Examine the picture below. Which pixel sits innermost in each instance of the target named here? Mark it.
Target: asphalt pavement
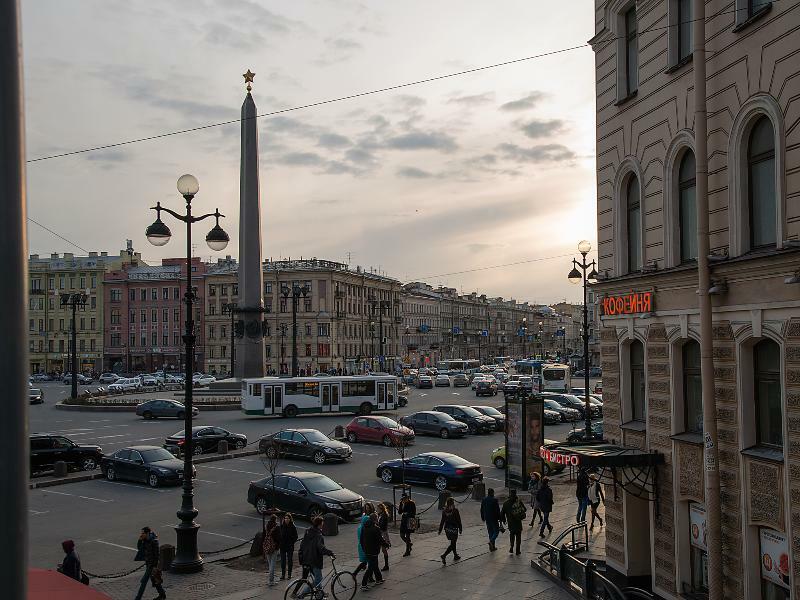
(104, 518)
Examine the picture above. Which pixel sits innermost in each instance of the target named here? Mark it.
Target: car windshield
(387, 422)
(552, 405)
(321, 484)
(457, 461)
(493, 412)
(314, 436)
(177, 434)
(470, 412)
(155, 455)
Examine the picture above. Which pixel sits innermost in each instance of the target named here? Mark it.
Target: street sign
(485, 333)
(456, 330)
(561, 333)
(424, 328)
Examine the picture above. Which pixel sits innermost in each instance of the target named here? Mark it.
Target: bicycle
(343, 586)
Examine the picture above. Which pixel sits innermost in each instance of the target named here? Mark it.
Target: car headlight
(328, 450)
(334, 505)
(163, 471)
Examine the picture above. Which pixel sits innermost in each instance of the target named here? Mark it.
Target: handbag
(156, 577)
(387, 543)
(84, 578)
(451, 530)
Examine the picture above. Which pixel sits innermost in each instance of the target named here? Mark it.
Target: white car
(130, 384)
(150, 382)
(203, 380)
(108, 378)
(442, 381)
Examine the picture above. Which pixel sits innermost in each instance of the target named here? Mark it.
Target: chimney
(54, 255)
(69, 255)
(92, 253)
(34, 256)
(104, 254)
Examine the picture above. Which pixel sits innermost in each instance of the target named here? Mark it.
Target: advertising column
(524, 438)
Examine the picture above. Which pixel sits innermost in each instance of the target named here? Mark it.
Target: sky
(423, 183)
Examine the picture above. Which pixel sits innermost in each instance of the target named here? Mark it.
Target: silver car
(152, 409)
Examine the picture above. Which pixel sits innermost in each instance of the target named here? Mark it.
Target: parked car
(484, 387)
(47, 449)
(203, 380)
(152, 409)
(442, 381)
(595, 399)
(378, 429)
(476, 378)
(108, 378)
(460, 380)
(39, 377)
(434, 423)
(598, 388)
(526, 382)
(35, 395)
(571, 401)
(565, 414)
(82, 379)
(304, 493)
(127, 384)
(498, 458)
(147, 464)
(579, 373)
(205, 438)
(150, 383)
(511, 388)
(492, 412)
(475, 420)
(309, 444)
(440, 469)
(424, 381)
(579, 434)
(551, 417)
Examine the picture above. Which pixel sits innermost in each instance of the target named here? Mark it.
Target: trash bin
(338, 432)
(222, 447)
(60, 469)
(478, 491)
(166, 554)
(256, 546)
(443, 496)
(330, 524)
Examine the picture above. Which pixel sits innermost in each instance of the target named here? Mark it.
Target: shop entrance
(637, 533)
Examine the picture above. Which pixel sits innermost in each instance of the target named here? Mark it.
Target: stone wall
(792, 388)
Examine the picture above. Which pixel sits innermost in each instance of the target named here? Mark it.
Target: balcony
(338, 294)
(339, 314)
(398, 320)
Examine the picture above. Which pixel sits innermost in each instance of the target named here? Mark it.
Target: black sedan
(205, 439)
(475, 420)
(48, 449)
(432, 422)
(579, 434)
(439, 469)
(303, 493)
(310, 444)
(152, 409)
(491, 411)
(148, 464)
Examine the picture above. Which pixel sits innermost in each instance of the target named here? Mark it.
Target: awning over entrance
(50, 585)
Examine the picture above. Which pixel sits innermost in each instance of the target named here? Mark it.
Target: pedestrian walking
(490, 514)
(596, 496)
(371, 542)
(369, 509)
(582, 494)
(288, 537)
(71, 565)
(545, 499)
(513, 514)
(312, 551)
(271, 546)
(383, 525)
(408, 521)
(451, 524)
(533, 487)
(147, 550)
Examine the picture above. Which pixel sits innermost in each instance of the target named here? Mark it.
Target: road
(104, 517)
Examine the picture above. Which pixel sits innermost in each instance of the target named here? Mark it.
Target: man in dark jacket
(490, 514)
(312, 550)
(582, 494)
(71, 565)
(544, 497)
(148, 552)
(513, 513)
(371, 542)
(408, 511)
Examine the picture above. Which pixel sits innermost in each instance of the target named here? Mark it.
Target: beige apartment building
(647, 292)
(421, 329)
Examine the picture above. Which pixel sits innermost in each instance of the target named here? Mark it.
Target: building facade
(422, 324)
(50, 324)
(145, 313)
(649, 333)
(465, 324)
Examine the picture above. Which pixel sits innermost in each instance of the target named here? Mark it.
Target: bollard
(60, 469)
(330, 524)
(478, 491)
(443, 496)
(166, 554)
(256, 548)
(338, 432)
(222, 447)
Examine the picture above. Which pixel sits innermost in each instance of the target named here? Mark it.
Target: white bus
(458, 365)
(292, 396)
(553, 377)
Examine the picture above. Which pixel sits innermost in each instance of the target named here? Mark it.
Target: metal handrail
(568, 531)
(634, 593)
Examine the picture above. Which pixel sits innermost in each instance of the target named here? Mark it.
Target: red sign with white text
(628, 304)
(559, 458)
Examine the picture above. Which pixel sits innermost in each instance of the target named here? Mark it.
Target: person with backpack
(288, 536)
(451, 523)
(545, 499)
(595, 498)
(271, 545)
(490, 514)
(408, 521)
(312, 552)
(383, 525)
(513, 514)
(533, 487)
(371, 542)
(369, 509)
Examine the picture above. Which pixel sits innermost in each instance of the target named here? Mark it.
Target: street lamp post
(577, 275)
(372, 348)
(187, 558)
(524, 331)
(283, 345)
(295, 293)
(230, 308)
(74, 301)
(480, 333)
(541, 339)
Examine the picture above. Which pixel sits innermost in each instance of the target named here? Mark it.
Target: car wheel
(387, 441)
(272, 452)
(314, 512)
(88, 464)
(262, 506)
(365, 408)
(473, 429)
(197, 449)
(352, 437)
(290, 411)
(111, 475)
(563, 418)
(440, 483)
(500, 462)
(152, 480)
(319, 457)
(181, 415)
(147, 414)
(444, 433)
(386, 476)
(239, 444)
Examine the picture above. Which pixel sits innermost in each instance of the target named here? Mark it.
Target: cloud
(107, 159)
(409, 102)
(420, 140)
(478, 247)
(343, 44)
(334, 140)
(536, 154)
(222, 34)
(538, 128)
(260, 18)
(526, 103)
(473, 100)
(337, 50)
(414, 173)
(301, 159)
(360, 156)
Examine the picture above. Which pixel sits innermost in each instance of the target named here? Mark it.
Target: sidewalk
(478, 574)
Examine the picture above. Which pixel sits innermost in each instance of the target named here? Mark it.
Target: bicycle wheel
(343, 586)
(299, 588)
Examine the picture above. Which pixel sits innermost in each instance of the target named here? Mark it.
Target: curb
(32, 485)
(132, 408)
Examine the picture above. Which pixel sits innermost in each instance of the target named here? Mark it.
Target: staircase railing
(574, 545)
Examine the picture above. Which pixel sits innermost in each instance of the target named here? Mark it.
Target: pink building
(145, 315)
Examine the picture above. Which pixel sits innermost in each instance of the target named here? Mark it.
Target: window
(212, 308)
(692, 388)
(165, 293)
(775, 570)
(631, 52)
(283, 305)
(308, 328)
(176, 315)
(142, 294)
(211, 332)
(767, 393)
(93, 302)
(687, 212)
(223, 332)
(144, 340)
(761, 184)
(634, 225)
(307, 305)
(116, 295)
(154, 316)
(165, 340)
(132, 340)
(268, 305)
(223, 290)
(93, 282)
(698, 551)
(176, 293)
(324, 329)
(115, 317)
(176, 339)
(308, 349)
(133, 316)
(638, 406)
(684, 30)
(50, 344)
(132, 295)
(93, 323)
(267, 288)
(755, 6)
(223, 351)
(61, 345)
(81, 324)
(82, 345)
(31, 325)
(269, 351)
(165, 315)
(154, 294)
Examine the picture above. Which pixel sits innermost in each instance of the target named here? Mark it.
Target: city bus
(503, 361)
(459, 365)
(292, 396)
(552, 377)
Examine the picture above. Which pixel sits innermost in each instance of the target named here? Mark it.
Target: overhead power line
(511, 264)
(58, 235)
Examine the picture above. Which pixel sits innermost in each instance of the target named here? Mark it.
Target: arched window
(634, 225)
(638, 404)
(692, 388)
(762, 202)
(767, 393)
(687, 208)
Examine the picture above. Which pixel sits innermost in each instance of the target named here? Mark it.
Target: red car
(378, 429)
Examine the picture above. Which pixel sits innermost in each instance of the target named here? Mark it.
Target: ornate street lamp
(187, 558)
(295, 293)
(74, 301)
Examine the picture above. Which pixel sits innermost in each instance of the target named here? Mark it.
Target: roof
(45, 584)
(140, 448)
(441, 454)
(301, 474)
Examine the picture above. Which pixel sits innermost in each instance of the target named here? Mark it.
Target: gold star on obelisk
(248, 79)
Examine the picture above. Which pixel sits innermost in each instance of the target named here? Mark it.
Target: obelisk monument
(249, 361)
